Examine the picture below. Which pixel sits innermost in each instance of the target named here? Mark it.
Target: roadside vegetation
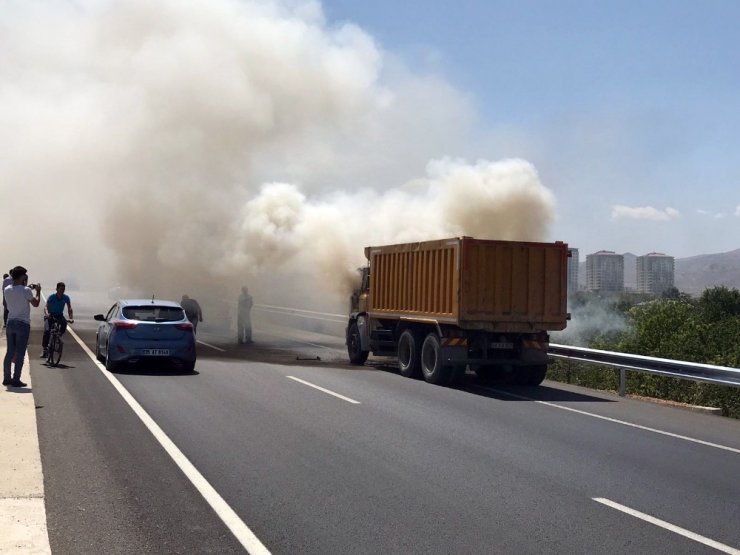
(676, 326)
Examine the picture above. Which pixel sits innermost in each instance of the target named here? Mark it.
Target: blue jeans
(16, 334)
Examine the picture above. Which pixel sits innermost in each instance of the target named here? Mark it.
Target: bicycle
(56, 343)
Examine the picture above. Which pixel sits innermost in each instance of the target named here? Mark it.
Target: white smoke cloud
(175, 145)
(621, 212)
(503, 200)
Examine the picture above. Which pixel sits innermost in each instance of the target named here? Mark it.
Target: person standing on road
(192, 311)
(7, 280)
(243, 317)
(54, 312)
(19, 299)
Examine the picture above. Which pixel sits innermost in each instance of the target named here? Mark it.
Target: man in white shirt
(19, 300)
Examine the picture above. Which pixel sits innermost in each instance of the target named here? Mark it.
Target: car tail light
(123, 325)
(185, 326)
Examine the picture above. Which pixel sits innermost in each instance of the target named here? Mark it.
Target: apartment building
(655, 273)
(605, 272)
(573, 262)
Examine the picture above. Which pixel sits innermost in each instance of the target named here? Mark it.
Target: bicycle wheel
(56, 354)
(51, 347)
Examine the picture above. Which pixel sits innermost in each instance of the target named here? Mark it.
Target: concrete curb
(22, 511)
(716, 411)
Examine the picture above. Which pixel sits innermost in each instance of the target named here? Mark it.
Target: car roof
(144, 302)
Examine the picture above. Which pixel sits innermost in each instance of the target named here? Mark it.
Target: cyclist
(54, 311)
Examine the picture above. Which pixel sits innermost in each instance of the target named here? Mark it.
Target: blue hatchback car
(145, 329)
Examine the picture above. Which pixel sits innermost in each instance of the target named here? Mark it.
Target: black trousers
(47, 328)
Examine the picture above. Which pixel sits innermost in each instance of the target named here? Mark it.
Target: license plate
(156, 352)
(501, 345)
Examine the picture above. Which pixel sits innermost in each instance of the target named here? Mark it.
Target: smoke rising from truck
(197, 146)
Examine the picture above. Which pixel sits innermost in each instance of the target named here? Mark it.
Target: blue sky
(629, 110)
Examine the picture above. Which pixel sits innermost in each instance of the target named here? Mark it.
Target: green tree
(719, 303)
(706, 330)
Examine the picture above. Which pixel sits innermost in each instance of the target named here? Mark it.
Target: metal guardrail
(707, 373)
(301, 313)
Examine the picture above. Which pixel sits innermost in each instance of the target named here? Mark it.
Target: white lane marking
(211, 346)
(668, 526)
(309, 384)
(616, 421)
(228, 516)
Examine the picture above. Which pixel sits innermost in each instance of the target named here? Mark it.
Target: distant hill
(696, 273)
(693, 274)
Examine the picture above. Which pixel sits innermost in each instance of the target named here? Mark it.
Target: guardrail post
(622, 382)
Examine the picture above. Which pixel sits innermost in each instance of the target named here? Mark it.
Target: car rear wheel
(98, 354)
(110, 365)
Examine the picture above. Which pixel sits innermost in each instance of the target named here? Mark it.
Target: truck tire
(409, 354)
(354, 346)
(432, 367)
(533, 375)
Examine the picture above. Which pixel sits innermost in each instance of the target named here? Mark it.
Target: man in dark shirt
(192, 311)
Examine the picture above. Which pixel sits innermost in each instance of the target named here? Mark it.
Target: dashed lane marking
(211, 346)
(309, 384)
(616, 421)
(668, 526)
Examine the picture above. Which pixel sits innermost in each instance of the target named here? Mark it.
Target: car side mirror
(99, 317)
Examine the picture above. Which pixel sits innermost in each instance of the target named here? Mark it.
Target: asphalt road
(390, 465)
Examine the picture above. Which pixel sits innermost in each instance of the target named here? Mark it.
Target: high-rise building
(655, 273)
(605, 271)
(573, 270)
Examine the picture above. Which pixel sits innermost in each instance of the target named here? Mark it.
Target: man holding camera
(19, 299)
(54, 311)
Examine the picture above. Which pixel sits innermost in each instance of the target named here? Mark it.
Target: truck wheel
(432, 367)
(354, 346)
(533, 375)
(408, 354)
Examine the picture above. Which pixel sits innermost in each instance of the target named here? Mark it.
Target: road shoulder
(22, 511)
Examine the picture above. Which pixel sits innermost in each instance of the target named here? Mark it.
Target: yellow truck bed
(471, 283)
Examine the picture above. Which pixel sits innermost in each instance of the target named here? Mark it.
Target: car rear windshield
(153, 313)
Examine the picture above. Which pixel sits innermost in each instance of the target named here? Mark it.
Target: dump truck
(444, 306)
